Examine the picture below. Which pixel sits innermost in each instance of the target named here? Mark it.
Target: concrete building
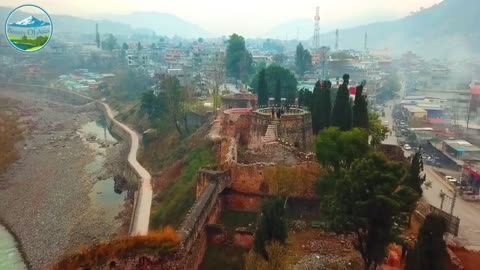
(461, 149)
(415, 113)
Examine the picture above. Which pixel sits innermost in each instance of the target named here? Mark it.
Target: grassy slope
(176, 200)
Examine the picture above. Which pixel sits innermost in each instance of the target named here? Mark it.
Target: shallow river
(10, 257)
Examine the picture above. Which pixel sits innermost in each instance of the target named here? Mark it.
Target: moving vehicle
(451, 179)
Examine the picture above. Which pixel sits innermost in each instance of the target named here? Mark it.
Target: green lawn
(176, 200)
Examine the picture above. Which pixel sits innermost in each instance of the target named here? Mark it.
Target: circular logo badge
(28, 28)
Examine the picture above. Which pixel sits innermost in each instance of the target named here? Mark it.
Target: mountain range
(447, 30)
(30, 21)
(162, 24)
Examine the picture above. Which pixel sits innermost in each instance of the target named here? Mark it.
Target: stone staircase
(271, 134)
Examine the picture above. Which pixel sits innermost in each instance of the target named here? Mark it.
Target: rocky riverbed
(46, 195)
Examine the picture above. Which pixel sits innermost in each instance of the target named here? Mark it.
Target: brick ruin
(243, 178)
(245, 173)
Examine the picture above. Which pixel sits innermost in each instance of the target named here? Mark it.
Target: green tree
(109, 43)
(303, 60)
(278, 92)
(301, 97)
(360, 110)
(342, 112)
(279, 59)
(376, 129)
(325, 106)
(273, 74)
(272, 226)
(139, 46)
(389, 89)
(337, 149)
(414, 178)
(124, 46)
(364, 203)
(176, 97)
(316, 107)
(238, 59)
(430, 250)
(262, 90)
(152, 105)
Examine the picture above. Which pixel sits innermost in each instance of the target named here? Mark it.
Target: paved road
(468, 212)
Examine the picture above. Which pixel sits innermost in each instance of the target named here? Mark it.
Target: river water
(10, 257)
(103, 195)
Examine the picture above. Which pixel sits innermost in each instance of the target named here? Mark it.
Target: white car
(407, 147)
(451, 179)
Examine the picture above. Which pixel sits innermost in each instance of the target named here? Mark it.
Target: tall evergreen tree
(325, 105)
(414, 180)
(360, 110)
(430, 251)
(262, 88)
(278, 92)
(342, 111)
(308, 99)
(272, 226)
(301, 97)
(315, 110)
(303, 59)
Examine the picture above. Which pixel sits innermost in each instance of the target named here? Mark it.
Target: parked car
(407, 147)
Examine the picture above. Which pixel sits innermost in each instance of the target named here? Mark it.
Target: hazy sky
(247, 17)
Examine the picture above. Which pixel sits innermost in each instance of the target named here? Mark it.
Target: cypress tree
(342, 111)
(272, 226)
(315, 107)
(430, 251)
(278, 92)
(301, 97)
(262, 88)
(325, 106)
(413, 179)
(308, 99)
(360, 110)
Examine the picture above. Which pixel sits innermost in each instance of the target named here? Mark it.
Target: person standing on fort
(273, 113)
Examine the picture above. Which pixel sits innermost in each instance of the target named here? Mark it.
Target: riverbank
(47, 192)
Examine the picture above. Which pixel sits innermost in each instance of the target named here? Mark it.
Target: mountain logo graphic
(28, 28)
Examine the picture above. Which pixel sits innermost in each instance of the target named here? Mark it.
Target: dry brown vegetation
(165, 240)
(10, 133)
(279, 179)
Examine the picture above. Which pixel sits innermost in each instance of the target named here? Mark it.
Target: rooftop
(414, 109)
(461, 145)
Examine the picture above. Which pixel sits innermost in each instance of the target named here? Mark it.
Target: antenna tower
(365, 42)
(316, 30)
(336, 40)
(97, 36)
